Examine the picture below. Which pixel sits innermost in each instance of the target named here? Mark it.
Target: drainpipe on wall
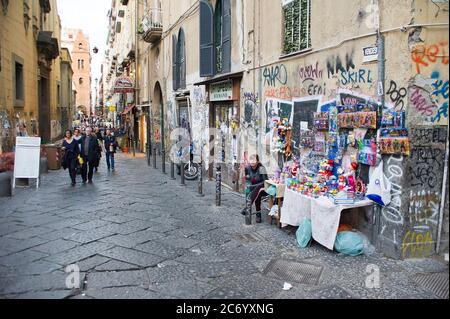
(444, 189)
(381, 97)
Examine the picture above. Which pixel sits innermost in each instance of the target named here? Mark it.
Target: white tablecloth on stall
(296, 207)
(325, 215)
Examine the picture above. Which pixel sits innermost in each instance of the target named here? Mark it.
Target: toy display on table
(281, 175)
(341, 186)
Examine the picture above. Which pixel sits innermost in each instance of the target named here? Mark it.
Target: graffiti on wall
(421, 103)
(310, 72)
(360, 76)
(427, 158)
(397, 94)
(347, 71)
(5, 132)
(311, 77)
(200, 122)
(251, 107)
(424, 176)
(425, 55)
(171, 116)
(285, 92)
(275, 75)
(440, 95)
(336, 65)
(429, 99)
(392, 218)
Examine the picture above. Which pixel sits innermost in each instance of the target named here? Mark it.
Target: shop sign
(123, 85)
(222, 91)
(370, 54)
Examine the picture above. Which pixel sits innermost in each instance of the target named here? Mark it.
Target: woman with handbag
(71, 152)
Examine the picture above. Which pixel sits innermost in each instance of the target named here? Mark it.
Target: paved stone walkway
(135, 233)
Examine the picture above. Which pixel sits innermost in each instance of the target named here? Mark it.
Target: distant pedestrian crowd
(83, 149)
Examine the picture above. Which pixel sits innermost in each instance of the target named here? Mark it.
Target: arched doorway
(158, 122)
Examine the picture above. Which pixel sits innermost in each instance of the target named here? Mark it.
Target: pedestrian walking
(71, 153)
(256, 175)
(99, 136)
(90, 149)
(110, 149)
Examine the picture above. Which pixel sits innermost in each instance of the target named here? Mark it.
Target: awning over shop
(221, 77)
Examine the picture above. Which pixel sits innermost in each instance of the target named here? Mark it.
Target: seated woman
(256, 175)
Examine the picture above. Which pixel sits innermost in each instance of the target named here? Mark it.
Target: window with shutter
(226, 36)
(174, 63)
(297, 26)
(206, 39)
(181, 60)
(218, 16)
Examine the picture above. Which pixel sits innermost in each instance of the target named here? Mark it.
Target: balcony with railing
(151, 27)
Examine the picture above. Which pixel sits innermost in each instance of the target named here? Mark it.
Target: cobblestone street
(135, 233)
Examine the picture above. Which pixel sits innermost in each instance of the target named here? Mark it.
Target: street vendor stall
(339, 168)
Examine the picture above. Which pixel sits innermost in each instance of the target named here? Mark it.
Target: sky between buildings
(91, 17)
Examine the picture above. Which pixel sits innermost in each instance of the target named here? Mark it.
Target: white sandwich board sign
(27, 158)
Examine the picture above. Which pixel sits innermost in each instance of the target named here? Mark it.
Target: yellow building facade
(30, 76)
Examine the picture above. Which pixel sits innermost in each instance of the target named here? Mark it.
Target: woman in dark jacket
(256, 175)
(71, 152)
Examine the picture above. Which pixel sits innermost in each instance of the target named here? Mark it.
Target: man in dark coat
(99, 136)
(90, 150)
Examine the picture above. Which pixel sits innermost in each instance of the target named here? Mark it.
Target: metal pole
(444, 190)
(163, 161)
(218, 185)
(148, 146)
(183, 183)
(248, 205)
(154, 156)
(200, 178)
(172, 170)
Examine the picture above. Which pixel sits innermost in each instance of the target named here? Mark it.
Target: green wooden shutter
(226, 36)
(206, 39)
(174, 63)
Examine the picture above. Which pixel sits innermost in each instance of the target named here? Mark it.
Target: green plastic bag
(304, 233)
(349, 243)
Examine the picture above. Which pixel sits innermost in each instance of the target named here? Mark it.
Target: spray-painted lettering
(354, 77)
(336, 66)
(424, 55)
(421, 102)
(275, 75)
(397, 94)
(310, 72)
